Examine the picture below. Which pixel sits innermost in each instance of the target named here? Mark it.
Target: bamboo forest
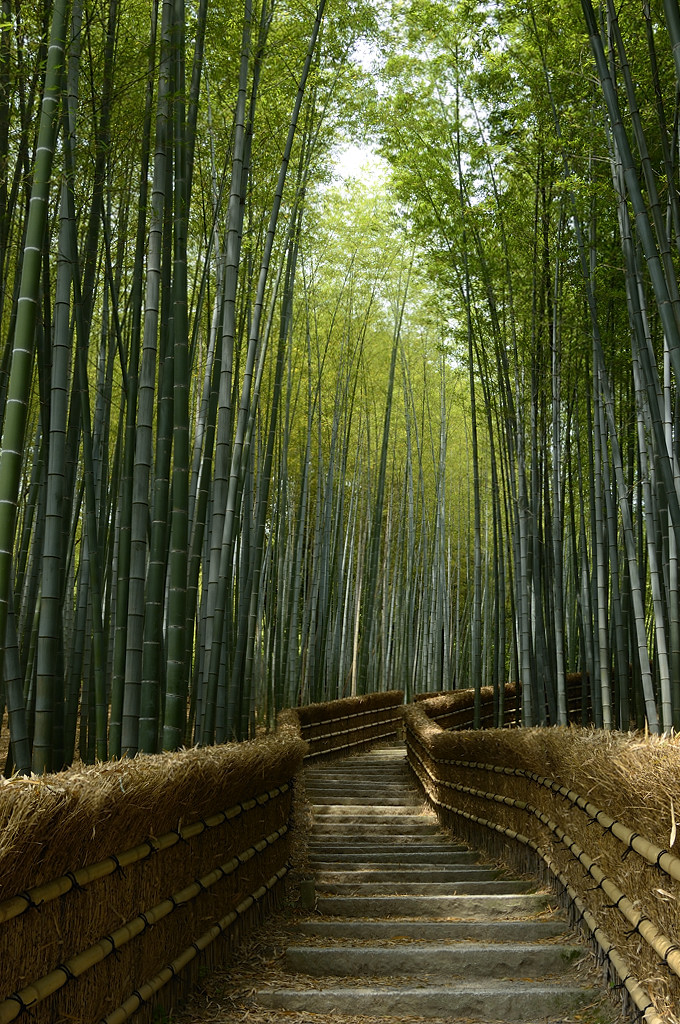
(340, 353)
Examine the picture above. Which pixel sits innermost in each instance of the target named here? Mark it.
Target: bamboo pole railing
(116, 959)
(365, 720)
(27, 998)
(151, 987)
(39, 895)
(94, 939)
(459, 805)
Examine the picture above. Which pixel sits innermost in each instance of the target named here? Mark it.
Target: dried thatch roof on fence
(635, 777)
(57, 823)
(333, 709)
(625, 871)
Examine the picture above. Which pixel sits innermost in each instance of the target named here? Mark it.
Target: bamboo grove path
(405, 925)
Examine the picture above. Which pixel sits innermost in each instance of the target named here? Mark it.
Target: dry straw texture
(453, 709)
(343, 726)
(61, 823)
(634, 779)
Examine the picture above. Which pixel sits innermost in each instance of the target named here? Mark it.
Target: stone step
(343, 812)
(378, 777)
(497, 931)
(420, 853)
(434, 847)
(388, 773)
(426, 873)
(374, 792)
(333, 770)
(506, 1000)
(373, 829)
(347, 821)
(364, 861)
(398, 797)
(372, 788)
(398, 776)
(471, 959)
(491, 907)
(501, 886)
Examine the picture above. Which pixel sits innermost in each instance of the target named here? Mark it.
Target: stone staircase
(409, 925)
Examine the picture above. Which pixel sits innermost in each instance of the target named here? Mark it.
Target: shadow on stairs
(404, 925)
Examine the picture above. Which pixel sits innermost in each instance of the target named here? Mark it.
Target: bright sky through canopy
(352, 161)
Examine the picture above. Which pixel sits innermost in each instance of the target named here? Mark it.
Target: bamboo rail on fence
(459, 805)
(454, 709)
(27, 998)
(76, 880)
(102, 938)
(367, 719)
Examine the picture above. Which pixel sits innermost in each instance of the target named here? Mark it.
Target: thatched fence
(591, 812)
(340, 727)
(454, 709)
(119, 880)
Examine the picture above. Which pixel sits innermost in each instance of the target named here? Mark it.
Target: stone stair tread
(508, 1000)
(418, 845)
(497, 905)
(389, 930)
(377, 818)
(468, 959)
(359, 800)
(354, 874)
(383, 851)
(375, 825)
(460, 888)
(377, 859)
(329, 810)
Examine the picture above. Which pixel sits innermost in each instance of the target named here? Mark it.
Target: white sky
(352, 161)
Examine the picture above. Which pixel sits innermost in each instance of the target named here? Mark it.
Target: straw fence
(119, 881)
(340, 727)
(455, 709)
(115, 877)
(593, 813)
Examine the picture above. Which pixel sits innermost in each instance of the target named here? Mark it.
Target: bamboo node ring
(659, 855)
(118, 867)
(65, 969)
(136, 994)
(30, 902)
(16, 998)
(75, 884)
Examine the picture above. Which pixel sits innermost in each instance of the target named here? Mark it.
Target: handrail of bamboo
(653, 854)
(382, 700)
(146, 991)
(369, 717)
(74, 880)
(348, 732)
(348, 746)
(662, 945)
(636, 990)
(26, 998)
(344, 718)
